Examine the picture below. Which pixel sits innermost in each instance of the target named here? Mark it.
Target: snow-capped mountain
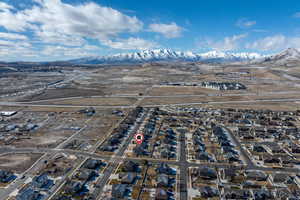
(289, 55)
(158, 55)
(229, 57)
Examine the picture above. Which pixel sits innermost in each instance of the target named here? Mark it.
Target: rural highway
(166, 96)
(16, 104)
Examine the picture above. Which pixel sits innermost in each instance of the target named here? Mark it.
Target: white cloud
(268, 43)
(171, 30)
(69, 52)
(130, 43)
(12, 21)
(14, 53)
(245, 23)
(11, 51)
(14, 43)
(227, 44)
(85, 20)
(274, 43)
(6, 43)
(4, 6)
(61, 30)
(15, 50)
(59, 38)
(53, 21)
(12, 36)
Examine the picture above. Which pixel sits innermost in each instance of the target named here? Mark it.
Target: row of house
(144, 149)
(18, 128)
(210, 84)
(127, 178)
(167, 146)
(34, 190)
(200, 147)
(223, 85)
(81, 183)
(119, 134)
(163, 175)
(234, 183)
(227, 146)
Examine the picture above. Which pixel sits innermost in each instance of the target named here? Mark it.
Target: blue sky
(38, 30)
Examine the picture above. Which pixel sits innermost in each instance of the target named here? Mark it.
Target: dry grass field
(18, 162)
(94, 101)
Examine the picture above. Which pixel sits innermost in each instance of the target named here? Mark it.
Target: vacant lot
(18, 162)
(215, 99)
(186, 100)
(94, 101)
(276, 106)
(62, 93)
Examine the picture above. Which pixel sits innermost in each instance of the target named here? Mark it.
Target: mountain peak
(290, 54)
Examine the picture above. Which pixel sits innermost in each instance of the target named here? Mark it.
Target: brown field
(18, 162)
(62, 93)
(94, 101)
(99, 126)
(183, 100)
(276, 106)
(180, 90)
(271, 87)
(134, 89)
(186, 100)
(264, 74)
(58, 127)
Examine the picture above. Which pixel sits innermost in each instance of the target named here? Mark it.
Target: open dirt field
(18, 162)
(95, 101)
(276, 106)
(186, 100)
(62, 93)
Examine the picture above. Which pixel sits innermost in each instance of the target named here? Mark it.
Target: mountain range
(167, 55)
(286, 57)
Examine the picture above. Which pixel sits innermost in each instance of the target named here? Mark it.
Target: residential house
(130, 166)
(207, 173)
(263, 194)
(6, 176)
(29, 194)
(119, 191)
(238, 194)
(209, 192)
(42, 182)
(161, 194)
(256, 175)
(166, 169)
(128, 177)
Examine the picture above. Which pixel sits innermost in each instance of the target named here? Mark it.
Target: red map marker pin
(139, 138)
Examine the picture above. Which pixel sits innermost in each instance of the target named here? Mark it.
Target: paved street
(274, 99)
(117, 158)
(183, 166)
